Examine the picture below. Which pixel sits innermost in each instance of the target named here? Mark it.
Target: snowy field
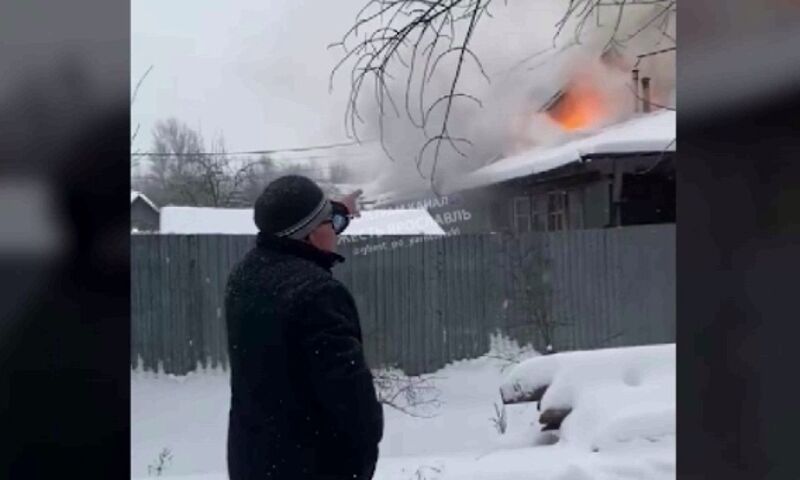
(622, 424)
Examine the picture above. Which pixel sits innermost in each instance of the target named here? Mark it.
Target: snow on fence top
(654, 132)
(201, 220)
(613, 396)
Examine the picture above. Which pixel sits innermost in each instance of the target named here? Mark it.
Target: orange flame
(580, 106)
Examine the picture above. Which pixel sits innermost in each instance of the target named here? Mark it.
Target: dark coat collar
(300, 249)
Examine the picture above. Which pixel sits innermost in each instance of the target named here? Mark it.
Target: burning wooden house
(613, 163)
(620, 175)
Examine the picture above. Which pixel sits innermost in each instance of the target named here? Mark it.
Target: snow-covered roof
(653, 132)
(135, 194)
(206, 220)
(408, 197)
(202, 220)
(415, 221)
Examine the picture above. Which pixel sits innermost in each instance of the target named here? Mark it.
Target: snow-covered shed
(144, 213)
(201, 220)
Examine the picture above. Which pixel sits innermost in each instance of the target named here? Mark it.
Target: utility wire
(639, 58)
(251, 152)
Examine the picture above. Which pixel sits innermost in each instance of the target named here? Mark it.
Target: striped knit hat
(291, 206)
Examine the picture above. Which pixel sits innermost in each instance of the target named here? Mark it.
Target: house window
(557, 209)
(521, 213)
(537, 215)
(527, 214)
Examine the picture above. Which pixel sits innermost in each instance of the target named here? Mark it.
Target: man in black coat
(303, 404)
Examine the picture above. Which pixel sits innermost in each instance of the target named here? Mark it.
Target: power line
(252, 152)
(650, 54)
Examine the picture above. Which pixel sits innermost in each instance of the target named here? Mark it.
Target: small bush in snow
(414, 396)
(427, 472)
(500, 419)
(508, 350)
(161, 463)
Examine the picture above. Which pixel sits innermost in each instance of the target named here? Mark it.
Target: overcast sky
(257, 72)
(254, 70)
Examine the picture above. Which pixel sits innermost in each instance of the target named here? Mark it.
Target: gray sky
(256, 71)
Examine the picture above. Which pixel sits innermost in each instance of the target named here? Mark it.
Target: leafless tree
(340, 172)
(256, 178)
(216, 178)
(305, 169)
(184, 173)
(410, 39)
(174, 145)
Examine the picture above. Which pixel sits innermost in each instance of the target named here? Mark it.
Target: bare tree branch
(135, 133)
(375, 54)
(444, 134)
(139, 84)
(664, 13)
(134, 160)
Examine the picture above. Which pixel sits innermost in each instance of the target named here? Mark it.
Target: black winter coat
(303, 404)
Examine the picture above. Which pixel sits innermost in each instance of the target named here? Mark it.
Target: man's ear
(308, 237)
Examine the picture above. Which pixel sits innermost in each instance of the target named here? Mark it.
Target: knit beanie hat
(291, 206)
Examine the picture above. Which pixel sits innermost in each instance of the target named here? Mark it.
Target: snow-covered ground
(621, 427)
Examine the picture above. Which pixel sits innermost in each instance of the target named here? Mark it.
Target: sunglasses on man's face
(339, 217)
